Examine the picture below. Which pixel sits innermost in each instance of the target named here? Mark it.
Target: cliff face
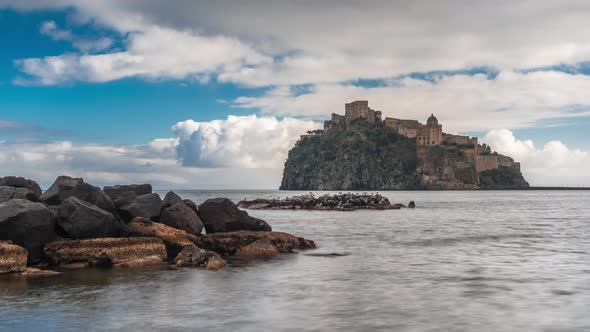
(365, 156)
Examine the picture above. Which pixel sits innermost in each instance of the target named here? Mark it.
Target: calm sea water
(460, 261)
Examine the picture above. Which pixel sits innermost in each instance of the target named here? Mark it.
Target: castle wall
(460, 140)
(484, 163)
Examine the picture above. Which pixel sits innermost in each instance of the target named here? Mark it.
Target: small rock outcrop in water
(340, 202)
(76, 225)
(131, 251)
(222, 215)
(230, 243)
(13, 258)
(197, 257)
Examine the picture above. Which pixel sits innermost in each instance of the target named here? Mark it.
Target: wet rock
(146, 206)
(13, 258)
(20, 182)
(174, 239)
(327, 202)
(191, 205)
(119, 191)
(197, 257)
(258, 248)
(143, 261)
(182, 217)
(60, 190)
(222, 215)
(170, 199)
(106, 251)
(81, 220)
(32, 272)
(231, 242)
(411, 205)
(26, 224)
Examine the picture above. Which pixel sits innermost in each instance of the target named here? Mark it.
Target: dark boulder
(191, 205)
(27, 224)
(252, 244)
(8, 193)
(95, 196)
(222, 215)
(60, 190)
(411, 205)
(182, 217)
(146, 206)
(170, 199)
(120, 191)
(20, 182)
(81, 220)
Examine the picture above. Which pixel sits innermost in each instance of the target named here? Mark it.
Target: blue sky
(230, 86)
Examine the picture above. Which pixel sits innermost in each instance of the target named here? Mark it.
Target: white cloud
(461, 102)
(552, 165)
(239, 141)
(51, 29)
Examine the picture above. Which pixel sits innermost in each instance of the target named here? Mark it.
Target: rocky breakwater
(335, 202)
(76, 225)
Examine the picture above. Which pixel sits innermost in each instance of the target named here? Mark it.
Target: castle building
(360, 109)
(425, 135)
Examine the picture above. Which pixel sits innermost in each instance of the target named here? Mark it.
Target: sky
(212, 94)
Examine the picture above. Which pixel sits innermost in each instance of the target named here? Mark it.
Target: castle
(477, 157)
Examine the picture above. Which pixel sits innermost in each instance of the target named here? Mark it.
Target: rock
(119, 191)
(258, 248)
(7, 193)
(81, 220)
(60, 190)
(26, 224)
(197, 257)
(74, 266)
(93, 195)
(222, 215)
(32, 272)
(191, 205)
(174, 239)
(327, 202)
(411, 205)
(170, 199)
(13, 258)
(20, 182)
(106, 251)
(146, 206)
(231, 242)
(182, 217)
(144, 261)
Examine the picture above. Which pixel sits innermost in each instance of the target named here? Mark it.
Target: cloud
(239, 141)
(338, 41)
(552, 165)
(461, 102)
(29, 131)
(51, 29)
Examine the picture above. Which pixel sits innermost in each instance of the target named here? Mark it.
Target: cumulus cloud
(239, 141)
(461, 102)
(552, 165)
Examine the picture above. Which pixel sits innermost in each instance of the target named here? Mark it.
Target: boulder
(119, 191)
(13, 258)
(411, 205)
(26, 224)
(222, 215)
(197, 257)
(174, 239)
(7, 193)
(81, 220)
(231, 243)
(93, 195)
(60, 190)
(20, 182)
(146, 206)
(107, 251)
(170, 199)
(182, 217)
(191, 205)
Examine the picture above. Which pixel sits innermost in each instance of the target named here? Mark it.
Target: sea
(459, 261)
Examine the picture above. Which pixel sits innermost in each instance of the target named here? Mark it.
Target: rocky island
(327, 202)
(360, 151)
(75, 225)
